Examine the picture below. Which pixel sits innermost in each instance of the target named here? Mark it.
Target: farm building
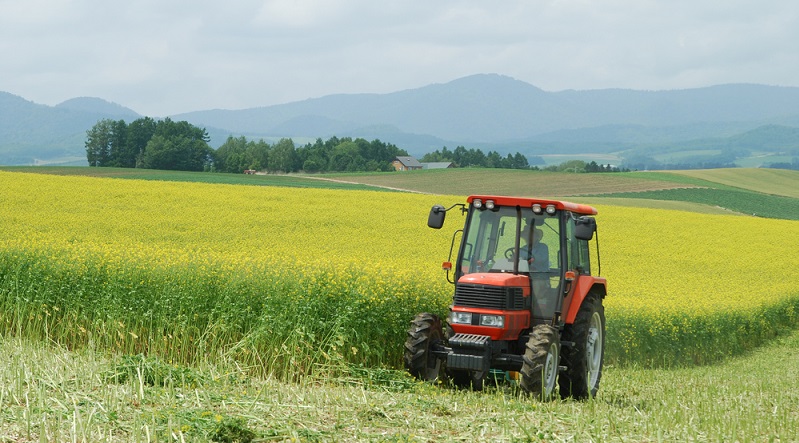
(406, 164)
(437, 165)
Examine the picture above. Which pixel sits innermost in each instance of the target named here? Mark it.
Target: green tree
(177, 153)
(314, 157)
(258, 154)
(493, 160)
(312, 165)
(170, 129)
(98, 143)
(445, 155)
(519, 161)
(347, 157)
(232, 155)
(140, 131)
(474, 157)
(592, 166)
(283, 157)
(119, 153)
(572, 166)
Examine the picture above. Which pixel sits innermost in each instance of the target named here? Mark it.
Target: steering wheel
(509, 253)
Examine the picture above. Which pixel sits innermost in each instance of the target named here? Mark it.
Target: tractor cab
(522, 272)
(523, 247)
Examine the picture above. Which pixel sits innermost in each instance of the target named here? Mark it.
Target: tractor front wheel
(425, 333)
(539, 373)
(584, 360)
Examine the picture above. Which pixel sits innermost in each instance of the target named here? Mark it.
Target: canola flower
(691, 288)
(191, 269)
(293, 280)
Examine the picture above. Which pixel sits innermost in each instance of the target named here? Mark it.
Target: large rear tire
(584, 360)
(424, 333)
(539, 373)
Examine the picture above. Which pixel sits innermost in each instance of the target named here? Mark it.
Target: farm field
(639, 189)
(761, 192)
(767, 181)
(313, 287)
(451, 181)
(180, 246)
(764, 192)
(510, 182)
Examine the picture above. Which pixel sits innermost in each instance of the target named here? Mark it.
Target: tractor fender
(583, 285)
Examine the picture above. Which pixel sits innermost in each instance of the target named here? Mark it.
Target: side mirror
(436, 218)
(584, 228)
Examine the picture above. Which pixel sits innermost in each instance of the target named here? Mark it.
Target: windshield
(490, 243)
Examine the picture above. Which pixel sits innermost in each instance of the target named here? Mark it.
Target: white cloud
(167, 57)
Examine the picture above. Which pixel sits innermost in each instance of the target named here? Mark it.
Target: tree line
(581, 166)
(167, 144)
(464, 158)
(333, 155)
(150, 144)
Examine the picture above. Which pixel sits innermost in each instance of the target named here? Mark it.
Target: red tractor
(526, 303)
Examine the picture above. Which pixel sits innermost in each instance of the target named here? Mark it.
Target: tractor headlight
(497, 321)
(551, 209)
(537, 209)
(490, 204)
(461, 318)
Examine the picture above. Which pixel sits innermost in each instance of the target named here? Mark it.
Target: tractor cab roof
(529, 202)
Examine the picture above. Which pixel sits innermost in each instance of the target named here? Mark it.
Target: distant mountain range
(487, 111)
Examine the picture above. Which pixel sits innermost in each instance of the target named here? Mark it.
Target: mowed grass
(51, 394)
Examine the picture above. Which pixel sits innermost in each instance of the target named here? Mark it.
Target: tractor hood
(503, 279)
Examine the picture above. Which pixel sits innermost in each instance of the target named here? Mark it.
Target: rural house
(406, 164)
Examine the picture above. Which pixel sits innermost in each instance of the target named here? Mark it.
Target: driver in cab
(532, 250)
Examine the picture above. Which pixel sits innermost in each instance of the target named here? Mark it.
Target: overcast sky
(162, 57)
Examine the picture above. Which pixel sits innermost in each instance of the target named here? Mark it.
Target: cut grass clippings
(51, 394)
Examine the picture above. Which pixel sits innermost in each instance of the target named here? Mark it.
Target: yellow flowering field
(695, 287)
(292, 280)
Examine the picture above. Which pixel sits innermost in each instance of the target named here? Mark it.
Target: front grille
(490, 297)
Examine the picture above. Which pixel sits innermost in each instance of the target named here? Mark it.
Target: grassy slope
(762, 192)
(768, 181)
(745, 202)
(51, 394)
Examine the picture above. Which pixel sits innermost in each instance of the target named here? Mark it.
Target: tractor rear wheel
(539, 373)
(584, 360)
(424, 333)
